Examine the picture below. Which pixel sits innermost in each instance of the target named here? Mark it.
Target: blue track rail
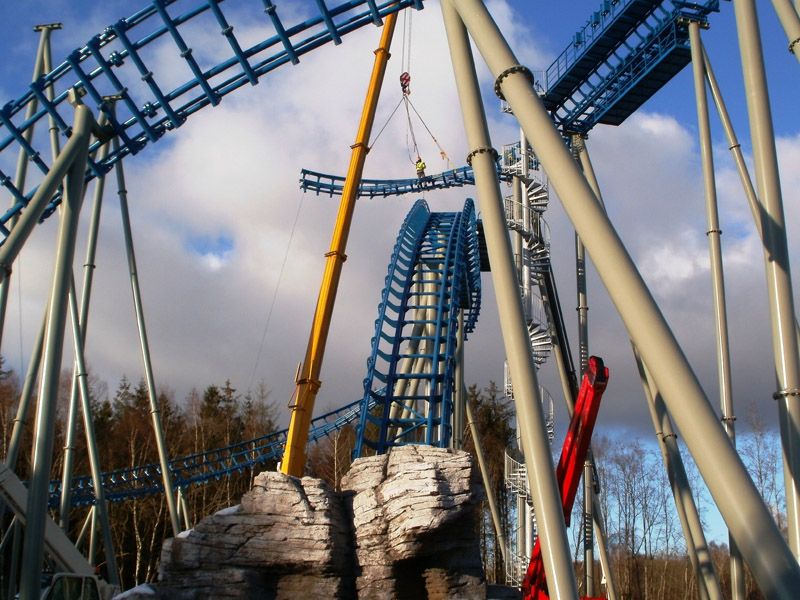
(135, 482)
(321, 183)
(434, 273)
(426, 238)
(120, 62)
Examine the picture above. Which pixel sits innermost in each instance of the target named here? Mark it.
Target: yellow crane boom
(307, 382)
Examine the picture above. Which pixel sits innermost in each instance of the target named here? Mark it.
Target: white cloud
(233, 171)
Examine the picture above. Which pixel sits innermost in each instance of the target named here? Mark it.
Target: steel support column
(770, 559)
(583, 355)
(44, 433)
(790, 20)
(155, 412)
(487, 482)
(541, 475)
(776, 255)
(696, 546)
(41, 66)
(80, 377)
(714, 234)
(741, 167)
(25, 397)
(585, 162)
(83, 319)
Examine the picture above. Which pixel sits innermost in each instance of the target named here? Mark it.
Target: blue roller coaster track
(115, 63)
(426, 240)
(320, 183)
(624, 53)
(146, 480)
(433, 275)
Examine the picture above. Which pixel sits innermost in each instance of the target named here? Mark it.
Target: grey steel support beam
(773, 565)
(734, 146)
(36, 206)
(63, 552)
(28, 386)
(583, 354)
(155, 413)
(776, 256)
(22, 158)
(741, 167)
(790, 20)
(585, 162)
(714, 234)
(588, 538)
(16, 547)
(80, 377)
(83, 320)
(696, 546)
(487, 482)
(538, 462)
(36, 514)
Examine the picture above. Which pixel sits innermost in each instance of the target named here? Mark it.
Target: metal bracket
(786, 393)
(510, 71)
(481, 150)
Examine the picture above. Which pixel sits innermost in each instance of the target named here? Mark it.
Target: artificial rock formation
(414, 521)
(403, 526)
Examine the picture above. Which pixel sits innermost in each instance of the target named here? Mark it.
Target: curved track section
(321, 183)
(163, 65)
(434, 272)
(125, 484)
(434, 275)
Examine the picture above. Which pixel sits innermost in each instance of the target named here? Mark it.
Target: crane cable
(405, 85)
(275, 294)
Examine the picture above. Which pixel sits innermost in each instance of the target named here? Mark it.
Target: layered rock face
(403, 526)
(414, 521)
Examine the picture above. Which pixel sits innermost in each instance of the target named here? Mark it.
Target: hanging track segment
(434, 274)
(332, 185)
(120, 62)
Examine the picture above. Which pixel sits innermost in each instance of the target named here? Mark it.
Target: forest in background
(645, 542)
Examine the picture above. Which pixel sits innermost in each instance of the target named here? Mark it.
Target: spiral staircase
(531, 234)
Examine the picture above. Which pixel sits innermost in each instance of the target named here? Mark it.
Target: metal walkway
(624, 53)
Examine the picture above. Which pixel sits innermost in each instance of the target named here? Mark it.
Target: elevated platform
(623, 55)
(322, 183)
(592, 44)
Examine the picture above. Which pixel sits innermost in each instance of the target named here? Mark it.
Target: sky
(230, 251)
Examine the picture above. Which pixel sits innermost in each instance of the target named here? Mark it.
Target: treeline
(647, 551)
(645, 541)
(214, 418)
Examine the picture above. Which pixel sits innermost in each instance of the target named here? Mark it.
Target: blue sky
(213, 207)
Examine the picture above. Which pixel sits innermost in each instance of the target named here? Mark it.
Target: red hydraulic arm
(570, 465)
